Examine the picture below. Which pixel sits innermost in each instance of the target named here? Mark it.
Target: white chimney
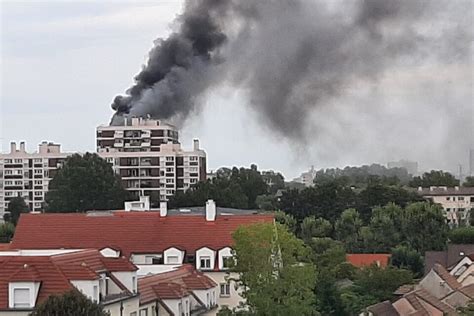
(22, 147)
(210, 210)
(196, 144)
(420, 188)
(163, 209)
(456, 188)
(12, 147)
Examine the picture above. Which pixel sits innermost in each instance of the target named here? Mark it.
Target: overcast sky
(63, 62)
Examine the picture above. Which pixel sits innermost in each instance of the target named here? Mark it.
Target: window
(454, 198)
(180, 309)
(173, 260)
(38, 171)
(18, 161)
(208, 300)
(226, 262)
(134, 284)
(38, 193)
(133, 314)
(225, 289)
(461, 198)
(144, 312)
(169, 158)
(38, 182)
(448, 198)
(187, 308)
(95, 297)
(21, 298)
(205, 262)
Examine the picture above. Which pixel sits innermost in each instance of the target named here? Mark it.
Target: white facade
(307, 178)
(147, 155)
(28, 174)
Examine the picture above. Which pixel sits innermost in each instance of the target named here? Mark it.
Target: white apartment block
(456, 201)
(148, 157)
(28, 174)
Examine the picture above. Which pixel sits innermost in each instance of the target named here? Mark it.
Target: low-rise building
(457, 202)
(29, 277)
(360, 260)
(156, 242)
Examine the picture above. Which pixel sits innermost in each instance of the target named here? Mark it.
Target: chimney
(420, 188)
(195, 144)
(210, 210)
(22, 147)
(12, 147)
(163, 209)
(456, 188)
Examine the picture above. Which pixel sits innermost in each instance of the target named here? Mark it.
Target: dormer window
(205, 262)
(227, 262)
(22, 294)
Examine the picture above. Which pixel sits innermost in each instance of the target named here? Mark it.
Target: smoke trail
(292, 57)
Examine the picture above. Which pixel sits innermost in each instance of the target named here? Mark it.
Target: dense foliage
(70, 303)
(469, 182)
(16, 206)
(275, 271)
(237, 188)
(361, 176)
(462, 235)
(7, 230)
(434, 178)
(85, 183)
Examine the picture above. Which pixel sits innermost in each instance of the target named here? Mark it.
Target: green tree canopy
(468, 182)
(462, 235)
(434, 178)
(7, 230)
(408, 258)
(85, 183)
(16, 206)
(275, 271)
(315, 227)
(70, 303)
(347, 229)
(237, 188)
(384, 228)
(286, 220)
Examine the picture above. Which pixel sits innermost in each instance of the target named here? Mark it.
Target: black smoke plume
(292, 57)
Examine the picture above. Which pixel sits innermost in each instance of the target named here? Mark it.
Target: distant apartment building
(306, 178)
(456, 201)
(28, 174)
(410, 166)
(148, 157)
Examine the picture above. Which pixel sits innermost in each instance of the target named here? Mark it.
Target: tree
(7, 230)
(405, 257)
(347, 229)
(434, 178)
(424, 227)
(236, 188)
(384, 228)
(462, 235)
(275, 272)
(315, 227)
(286, 220)
(274, 180)
(69, 303)
(16, 206)
(372, 285)
(266, 202)
(85, 183)
(468, 182)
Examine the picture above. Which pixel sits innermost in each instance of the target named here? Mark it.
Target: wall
(130, 305)
(127, 279)
(87, 287)
(234, 298)
(435, 285)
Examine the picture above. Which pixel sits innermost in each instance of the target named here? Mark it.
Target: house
(449, 257)
(360, 260)
(156, 242)
(183, 291)
(439, 293)
(456, 201)
(28, 277)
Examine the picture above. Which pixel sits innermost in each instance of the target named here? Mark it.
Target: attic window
(205, 262)
(21, 298)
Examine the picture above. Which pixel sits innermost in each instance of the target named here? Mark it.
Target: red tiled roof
(55, 272)
(4, 246)
(51, 278)
(364, 259)
(132, 232)
(173, 284)
(446, 276)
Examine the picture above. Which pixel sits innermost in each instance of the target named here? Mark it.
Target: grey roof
(436, 191)
(201, 210)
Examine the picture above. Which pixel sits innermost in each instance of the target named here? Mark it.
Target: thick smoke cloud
(292, 58)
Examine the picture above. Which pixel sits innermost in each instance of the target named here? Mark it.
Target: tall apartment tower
(28, 174)
(148, 157)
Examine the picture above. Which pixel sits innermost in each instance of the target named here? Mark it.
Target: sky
(62, 63)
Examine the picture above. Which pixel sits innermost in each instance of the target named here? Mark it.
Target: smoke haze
(314, 70)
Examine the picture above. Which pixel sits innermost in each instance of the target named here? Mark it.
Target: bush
(6, 232)
(462, 235)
